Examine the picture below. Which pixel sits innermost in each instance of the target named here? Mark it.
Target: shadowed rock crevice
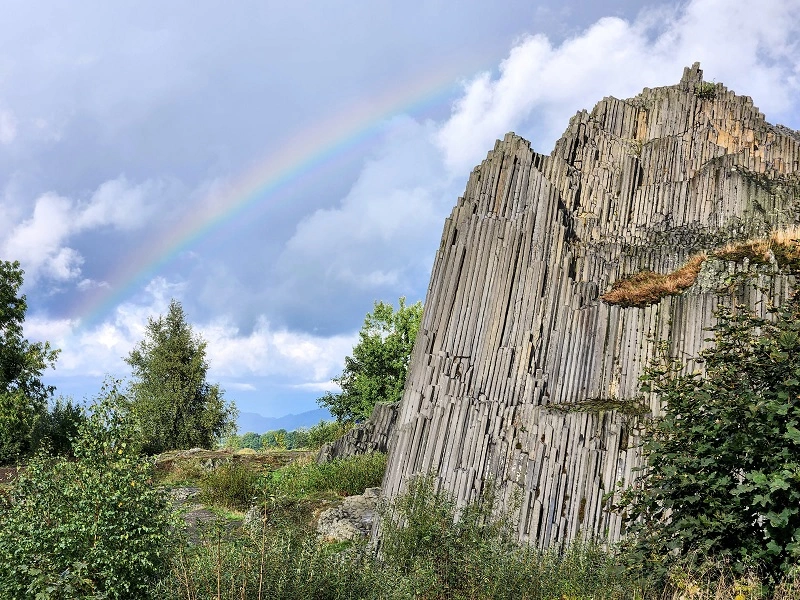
(514, 325)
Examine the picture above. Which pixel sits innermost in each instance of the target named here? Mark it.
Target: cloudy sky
(279, 166)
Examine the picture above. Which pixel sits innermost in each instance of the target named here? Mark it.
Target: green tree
(173, 405)
(23, 395)
(250, 440)
(377, 370)
(59, 426)
(90, 527)
(722, 476)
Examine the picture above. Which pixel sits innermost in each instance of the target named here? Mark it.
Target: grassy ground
(425, 553)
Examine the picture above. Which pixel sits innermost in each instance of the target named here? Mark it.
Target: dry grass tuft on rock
(782, 245)
(647, 287)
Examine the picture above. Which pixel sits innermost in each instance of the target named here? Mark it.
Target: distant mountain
(257, 423)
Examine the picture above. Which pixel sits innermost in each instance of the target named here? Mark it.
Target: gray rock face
(520, 371)
(373, 435)
(352, 519)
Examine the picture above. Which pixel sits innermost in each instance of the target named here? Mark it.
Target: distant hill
(249, 421)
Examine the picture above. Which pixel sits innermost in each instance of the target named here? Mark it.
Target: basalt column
(521, 373)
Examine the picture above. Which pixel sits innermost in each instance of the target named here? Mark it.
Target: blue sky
(278, 167)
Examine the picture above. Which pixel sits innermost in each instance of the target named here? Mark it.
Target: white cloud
(265, 351)
(379, 234)
(318, 386)
(539, 85)
(118, 204)
(40, 241)
(101, 349)
(239, 386)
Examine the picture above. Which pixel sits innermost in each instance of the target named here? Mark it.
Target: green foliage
(706, 90)
(274, 440)
(173, 405)
(18, 419)
(250, 440)
(325, 432)
(377, 370)
(57, 428)
(23, 395)
(92, 527)
(447, 552)
(232, 485)
(288, 563)
(344, 477)
(429, 550)
(298, 439)
(723, 463)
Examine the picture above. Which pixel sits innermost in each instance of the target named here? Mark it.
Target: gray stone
(352, 519)
(373, 435)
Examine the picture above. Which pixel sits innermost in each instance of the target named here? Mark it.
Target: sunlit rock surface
(521, 373)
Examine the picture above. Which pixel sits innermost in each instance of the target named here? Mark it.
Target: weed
(231, 485)
(706, 90)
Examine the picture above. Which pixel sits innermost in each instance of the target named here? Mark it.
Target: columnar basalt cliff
(521, 372)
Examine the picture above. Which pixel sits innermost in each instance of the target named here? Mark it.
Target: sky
(277, 167)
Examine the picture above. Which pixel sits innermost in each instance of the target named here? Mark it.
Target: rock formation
(521, 373)
(373, 435)
(352, 519)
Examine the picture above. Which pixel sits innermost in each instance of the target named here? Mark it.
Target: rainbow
(308, 151)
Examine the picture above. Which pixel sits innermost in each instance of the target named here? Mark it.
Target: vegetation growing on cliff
(647, 287)
(722, 475)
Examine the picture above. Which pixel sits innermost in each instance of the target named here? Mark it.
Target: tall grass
(343, 477)
(430, 549)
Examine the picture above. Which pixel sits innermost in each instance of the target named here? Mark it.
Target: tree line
(168, 398)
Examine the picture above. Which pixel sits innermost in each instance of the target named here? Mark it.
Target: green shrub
(325, 432)
(706, 90)
(92, 527)
(19, 416)
(232, 485)
(723, 462)
(344, 477)
(446, 552)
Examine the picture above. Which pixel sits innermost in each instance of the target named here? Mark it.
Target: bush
(92, 527)
(232, 485)
(345, 477)
(325, 432)
(19, 417)
(723, 463)
(446, 552)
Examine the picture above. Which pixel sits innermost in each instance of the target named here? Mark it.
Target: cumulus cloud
(379, 239)
(40, 241)
(267, 351)
(233, 355)
(540, 85)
